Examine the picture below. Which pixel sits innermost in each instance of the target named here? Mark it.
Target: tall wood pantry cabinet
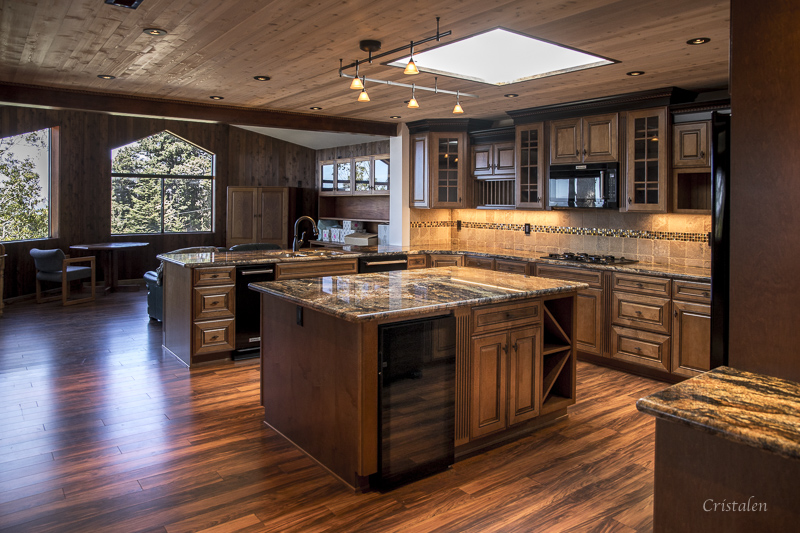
(260, 214)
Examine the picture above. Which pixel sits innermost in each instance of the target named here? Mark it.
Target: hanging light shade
(363, 96)
(356, 84)
(411, 68)
(457, 110)
(413, 104)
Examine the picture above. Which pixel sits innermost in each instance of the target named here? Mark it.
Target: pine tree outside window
(25, 186)
(161, 184)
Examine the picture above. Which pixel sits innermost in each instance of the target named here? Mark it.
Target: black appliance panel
(592, 185)
(417, 403)
(248, 308)
(720, 238)
(383, 263)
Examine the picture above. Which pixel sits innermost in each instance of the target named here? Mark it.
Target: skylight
(502, 57)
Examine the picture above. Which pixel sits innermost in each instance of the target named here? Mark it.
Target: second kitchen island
(510, 336)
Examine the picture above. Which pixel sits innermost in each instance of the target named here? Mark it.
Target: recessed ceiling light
(106, 77)
(217, 97)
(315, 108)
(698, 40)
(154, 31)
(395, 116)
(511, 95)
(502, 57)
(635, 73)
(261, 78)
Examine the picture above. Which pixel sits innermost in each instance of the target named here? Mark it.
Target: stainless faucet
(298, 242)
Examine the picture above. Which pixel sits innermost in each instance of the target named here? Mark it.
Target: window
(25, 186)
(161, 184)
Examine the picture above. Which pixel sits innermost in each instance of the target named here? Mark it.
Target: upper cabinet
(438, 170)
(530, 164)
(690, 146)
(584, 140)
(496, 159)
(646, 161)
(260, 214)
(364, 175)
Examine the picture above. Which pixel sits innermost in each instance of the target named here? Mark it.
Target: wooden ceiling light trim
(20, 94)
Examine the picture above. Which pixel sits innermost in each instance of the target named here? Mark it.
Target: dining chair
(56, 267)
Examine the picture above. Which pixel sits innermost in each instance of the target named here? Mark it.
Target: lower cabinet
(213, 309)
(640, 347)
(314, 269)
(691, 338)
(445, 260)
(506, 371)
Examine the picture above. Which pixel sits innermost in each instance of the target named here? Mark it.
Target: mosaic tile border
(601, 232)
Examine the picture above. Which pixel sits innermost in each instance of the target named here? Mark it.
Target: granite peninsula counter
(511, 338)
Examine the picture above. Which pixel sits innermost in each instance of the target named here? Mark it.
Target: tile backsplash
(661, 238)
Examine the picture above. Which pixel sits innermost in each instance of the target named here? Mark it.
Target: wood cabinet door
(690, 146)
(565, 141)
(448, 173)
(488, 395)
(503, 159)
(691, 338)
(273, 219)
(600, 134)
(524, 374)
(646, 160)
(420, 172)
(589, 329)
(243, 224)
(482, 162)
(529, 153)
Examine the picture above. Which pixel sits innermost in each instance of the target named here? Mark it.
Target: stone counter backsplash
(662, 238)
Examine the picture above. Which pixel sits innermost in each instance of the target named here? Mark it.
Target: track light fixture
(413, 104)
(411, 68)
(363, 96)
(357, 84)
(457, 110)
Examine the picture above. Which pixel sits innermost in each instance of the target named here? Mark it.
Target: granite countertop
(752, 409)
(406, 293)
(349, 252)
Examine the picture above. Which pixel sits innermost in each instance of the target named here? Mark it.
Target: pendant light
(357, 81)
(457, 110)
(413, 102)
(411, 68)
(363, 96)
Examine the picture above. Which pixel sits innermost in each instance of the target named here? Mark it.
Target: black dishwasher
(416, 427)
(248, 309)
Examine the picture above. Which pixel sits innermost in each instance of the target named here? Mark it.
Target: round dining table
(110, 262)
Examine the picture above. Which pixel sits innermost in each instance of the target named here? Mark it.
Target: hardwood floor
(100, 432)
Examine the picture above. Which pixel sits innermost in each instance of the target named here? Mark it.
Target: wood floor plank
(100, 431)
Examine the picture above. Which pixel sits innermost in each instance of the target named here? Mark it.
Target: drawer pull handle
(638, 313)
(705, 295)
(640, 285)
(638, 349)
(215, 337)
(214, 275)
(214, 303)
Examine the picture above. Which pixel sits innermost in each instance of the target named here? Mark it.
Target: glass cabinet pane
(447, 178)
(362, 177)
(326, 173)
(381, 174)
(529, 171)
(343, 176)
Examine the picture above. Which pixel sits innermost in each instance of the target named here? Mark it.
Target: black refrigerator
(720, 240)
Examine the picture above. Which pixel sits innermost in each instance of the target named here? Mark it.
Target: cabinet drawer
(445, 260)
(691, 291)
(486, 263)
(214, 276)
(515, 267)
(642, 284)
(213, 336)
(314, 269)
(417, 261)
(593, 277)
(640, 347)
(214, 302)
(502, 316)
(641, 311)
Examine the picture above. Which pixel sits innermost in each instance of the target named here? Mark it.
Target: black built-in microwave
(590, 185)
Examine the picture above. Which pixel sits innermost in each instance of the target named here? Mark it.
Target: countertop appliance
(248, 309)
(596, 259)
(591, 185)
(383, 263)
(416, 424)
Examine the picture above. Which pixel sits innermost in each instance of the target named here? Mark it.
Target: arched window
(161, 184)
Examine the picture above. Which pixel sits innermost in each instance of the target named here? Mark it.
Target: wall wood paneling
(84, 181)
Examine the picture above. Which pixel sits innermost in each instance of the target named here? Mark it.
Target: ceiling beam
(33, 95)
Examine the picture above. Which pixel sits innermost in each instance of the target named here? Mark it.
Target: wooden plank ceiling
(215, 48)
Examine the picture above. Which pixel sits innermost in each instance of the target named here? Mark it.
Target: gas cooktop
(590, 258)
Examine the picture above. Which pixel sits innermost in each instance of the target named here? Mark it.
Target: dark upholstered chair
(56, 267)
(254, 246)
(154, 282)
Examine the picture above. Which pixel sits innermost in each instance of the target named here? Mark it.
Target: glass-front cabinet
(438, 170)
(363, 175)
(530, 165)
(646, 169)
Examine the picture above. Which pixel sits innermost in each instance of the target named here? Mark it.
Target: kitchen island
(512, 342)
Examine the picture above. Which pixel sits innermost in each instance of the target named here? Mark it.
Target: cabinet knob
(584, 151)
(577, 152)
(676, 312)
(702, 154)
(515, 346)
(505, 348)
(629, 200)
